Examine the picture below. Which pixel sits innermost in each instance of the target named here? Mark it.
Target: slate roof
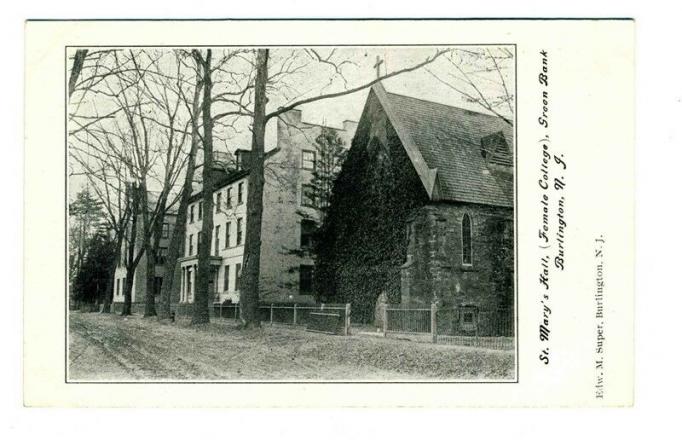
(450, 140)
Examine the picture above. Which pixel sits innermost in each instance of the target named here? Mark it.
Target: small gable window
(466, 240)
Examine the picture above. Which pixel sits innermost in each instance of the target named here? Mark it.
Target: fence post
(434, 323)
(271, 309)
(295, 313)
(346, 325)
(384, 318)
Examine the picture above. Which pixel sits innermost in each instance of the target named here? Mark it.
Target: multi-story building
(290, 216)
(139, 291)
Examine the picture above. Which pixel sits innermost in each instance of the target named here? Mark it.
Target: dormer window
(495, 150)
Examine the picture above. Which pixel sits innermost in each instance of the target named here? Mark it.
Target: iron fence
(466, 326)
(285, 314)
(402, 320)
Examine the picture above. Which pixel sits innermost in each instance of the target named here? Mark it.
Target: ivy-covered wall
(363, 241)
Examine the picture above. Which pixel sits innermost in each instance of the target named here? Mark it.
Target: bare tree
(232, 103)
(172, 134)
(251, 272)
(178, 235)
(144, 143)
(201, 298)
(482, 77)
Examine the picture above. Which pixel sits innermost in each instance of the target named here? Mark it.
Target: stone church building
(427, 195)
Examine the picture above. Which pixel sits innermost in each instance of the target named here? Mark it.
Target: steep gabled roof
(444, 144)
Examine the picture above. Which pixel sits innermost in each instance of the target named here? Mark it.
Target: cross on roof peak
(377, 66)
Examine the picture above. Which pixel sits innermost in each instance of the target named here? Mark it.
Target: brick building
(439, 179)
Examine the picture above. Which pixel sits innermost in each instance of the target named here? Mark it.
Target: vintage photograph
(293, 214)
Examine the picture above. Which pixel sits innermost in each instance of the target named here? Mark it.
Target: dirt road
(109, 347)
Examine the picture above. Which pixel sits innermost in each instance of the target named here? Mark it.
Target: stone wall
(435, 272)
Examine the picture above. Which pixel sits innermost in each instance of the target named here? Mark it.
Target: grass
(109, 347)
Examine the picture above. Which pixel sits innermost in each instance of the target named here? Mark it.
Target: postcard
(351, 213)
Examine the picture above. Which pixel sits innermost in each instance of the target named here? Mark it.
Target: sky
(356, 66)
(419, 83)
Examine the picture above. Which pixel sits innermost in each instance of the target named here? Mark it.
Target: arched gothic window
(466, 240)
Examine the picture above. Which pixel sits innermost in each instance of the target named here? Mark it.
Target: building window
(238, 276)
(226, 278)
(308, 228)
(227, 234)
(165, 228)
(201, 210)
(305, 285)
(217, 239)
(219, 202)
(240, 193)
(239, 231)
(191, 214)
(308, 196)
(189, 284)
(308, 160)
(466, 240)
(190, 246)
(228, 197)
(161, 255)
(118, 286)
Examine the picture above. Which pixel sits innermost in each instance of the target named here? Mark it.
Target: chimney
(243, 159)
(349, 127)
(292, 117)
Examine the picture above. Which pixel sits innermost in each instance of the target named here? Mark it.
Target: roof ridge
(445, 105)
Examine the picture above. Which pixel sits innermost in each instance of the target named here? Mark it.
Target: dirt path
(108, 347)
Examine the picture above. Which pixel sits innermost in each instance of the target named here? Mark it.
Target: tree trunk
(201, 298)
(178, 237)
(109, 293)
(149, 300)
(130, 263)
(250, 289)
(128, 293)
(151, 249)
(78, 60)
